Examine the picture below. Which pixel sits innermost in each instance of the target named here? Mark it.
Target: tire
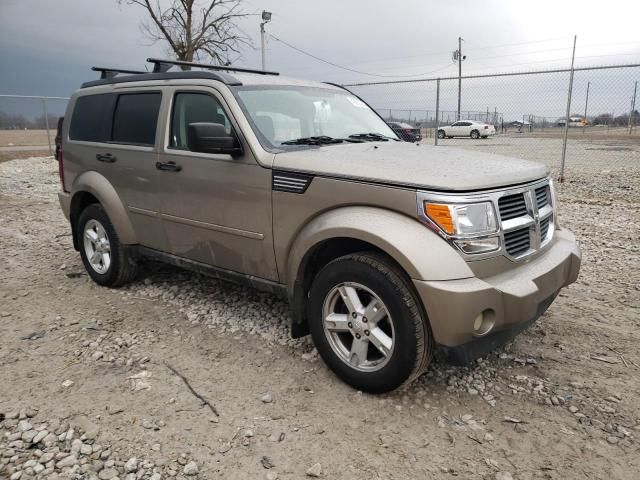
(398, 319)
(113, 265)
(441, 134)
(475, 134)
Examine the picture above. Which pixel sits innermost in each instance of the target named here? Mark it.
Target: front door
(216, 208)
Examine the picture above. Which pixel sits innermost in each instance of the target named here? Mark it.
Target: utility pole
(586, 105)
(457, 55)
(566, 118)
(633, 107)
(266, 18)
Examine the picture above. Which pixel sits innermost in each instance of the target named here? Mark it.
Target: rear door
(114, 134)
(216, 208)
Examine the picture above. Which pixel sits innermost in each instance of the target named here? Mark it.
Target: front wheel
(104, 258)
(475, 134)
(367, 323)
(441, 134)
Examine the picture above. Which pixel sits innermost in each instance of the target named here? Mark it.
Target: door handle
(168, 167)
(106, 157)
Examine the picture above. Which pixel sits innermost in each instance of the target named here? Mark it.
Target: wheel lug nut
(357, 335)
(354, 314)
(350, 325)
(366, 332)
(364, 319)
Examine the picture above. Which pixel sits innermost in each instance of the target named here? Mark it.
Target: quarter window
(194, 108)
(135, 118)
(88, 118)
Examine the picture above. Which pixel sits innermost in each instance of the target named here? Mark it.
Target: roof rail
(108, 73)
(160, 66)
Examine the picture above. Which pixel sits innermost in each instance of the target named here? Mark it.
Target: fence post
(46, 123)
(633, 107)
(566, 118)
(437, 111)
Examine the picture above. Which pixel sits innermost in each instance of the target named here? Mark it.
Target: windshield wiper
(373, 137)
(320, 140)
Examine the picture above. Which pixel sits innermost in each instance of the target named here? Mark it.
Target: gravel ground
(94, 379)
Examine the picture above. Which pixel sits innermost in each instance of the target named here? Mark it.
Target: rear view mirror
(212, 138)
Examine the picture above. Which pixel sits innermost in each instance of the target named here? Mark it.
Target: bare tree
(195, 29)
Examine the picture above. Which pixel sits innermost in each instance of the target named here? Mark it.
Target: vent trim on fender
(290, 182)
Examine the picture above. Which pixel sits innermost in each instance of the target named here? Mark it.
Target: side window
(194, 108)
(88, 118)
(457, 124)
(135, 118)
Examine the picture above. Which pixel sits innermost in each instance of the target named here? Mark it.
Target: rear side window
(88, 118)
(135, 118)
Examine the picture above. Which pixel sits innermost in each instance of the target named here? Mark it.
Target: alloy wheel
(358, 326)
(96, 246)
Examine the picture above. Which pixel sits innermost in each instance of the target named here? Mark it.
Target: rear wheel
(104, 258)
(475, 134)
(367, 323)
(441, 134)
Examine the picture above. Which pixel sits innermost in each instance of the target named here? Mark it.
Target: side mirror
(211, 138)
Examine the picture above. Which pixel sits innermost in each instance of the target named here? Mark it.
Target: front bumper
(514, 299)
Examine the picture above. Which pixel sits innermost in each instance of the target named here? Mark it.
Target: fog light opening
(484, 322)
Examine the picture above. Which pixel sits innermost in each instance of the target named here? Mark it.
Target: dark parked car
(406, 132)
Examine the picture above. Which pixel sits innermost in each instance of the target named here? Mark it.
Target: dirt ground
(560, 402)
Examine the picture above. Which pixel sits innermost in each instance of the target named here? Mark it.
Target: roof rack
(161, 66)
(108, 73)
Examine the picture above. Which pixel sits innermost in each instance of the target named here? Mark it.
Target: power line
(342, 67)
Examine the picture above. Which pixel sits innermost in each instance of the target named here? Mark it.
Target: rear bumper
(511, 300)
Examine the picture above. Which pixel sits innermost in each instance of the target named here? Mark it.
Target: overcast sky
(47, 47)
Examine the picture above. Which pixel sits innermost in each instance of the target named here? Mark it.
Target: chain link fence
(28, 123)
(528, 111)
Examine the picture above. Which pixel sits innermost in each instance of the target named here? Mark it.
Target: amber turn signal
(441, 215)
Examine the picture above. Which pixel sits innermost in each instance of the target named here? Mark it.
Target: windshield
(284, 115)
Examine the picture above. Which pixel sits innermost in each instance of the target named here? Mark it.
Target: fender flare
(418, 250)
(98, 186)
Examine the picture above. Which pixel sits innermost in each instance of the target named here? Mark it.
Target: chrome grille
(512, 206)
(542, 196)
(526, 218)
(544, 228)
(517, 242)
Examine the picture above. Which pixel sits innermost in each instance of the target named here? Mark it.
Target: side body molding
(418, 250)
(97, 185)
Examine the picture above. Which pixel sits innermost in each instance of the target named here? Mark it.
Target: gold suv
(388, 251)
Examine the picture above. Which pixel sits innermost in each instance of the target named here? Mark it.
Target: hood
(412, 165)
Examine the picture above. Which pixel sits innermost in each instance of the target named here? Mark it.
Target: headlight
(470, 224)
(463, 219)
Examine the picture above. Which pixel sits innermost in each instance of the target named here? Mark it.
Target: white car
(466, 128)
